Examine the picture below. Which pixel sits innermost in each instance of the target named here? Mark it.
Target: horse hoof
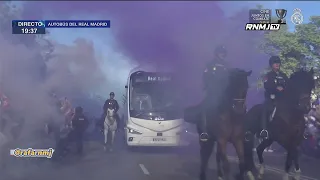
(202, 177)
(297, 175)
(285, 176)
(260, 176)
(250, 175)
(220, 178)
(238, 177)
(296, 178)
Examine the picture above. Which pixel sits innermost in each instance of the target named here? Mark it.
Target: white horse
(110, 126)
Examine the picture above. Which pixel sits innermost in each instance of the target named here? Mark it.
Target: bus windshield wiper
(141, 113)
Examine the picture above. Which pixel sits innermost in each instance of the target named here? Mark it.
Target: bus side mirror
(125, 86)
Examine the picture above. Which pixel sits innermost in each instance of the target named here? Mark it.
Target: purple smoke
(181, 35)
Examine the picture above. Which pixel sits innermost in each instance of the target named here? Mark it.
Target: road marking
(144, 169)
(268, 168)
(275, 170)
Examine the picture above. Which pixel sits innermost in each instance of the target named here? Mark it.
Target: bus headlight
(133, 131)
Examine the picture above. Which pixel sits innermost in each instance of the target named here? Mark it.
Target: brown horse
(287, 126)
(224, 123)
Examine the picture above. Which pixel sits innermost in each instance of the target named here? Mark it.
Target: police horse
(223, 124)
(286, 127)
(110, 127)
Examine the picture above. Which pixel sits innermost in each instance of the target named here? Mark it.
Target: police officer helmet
(221, 49)
(78, 110)
(274, 60)
(112, 94)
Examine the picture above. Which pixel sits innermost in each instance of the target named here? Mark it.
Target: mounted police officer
(212, 75)
(109, 103)
(214, 67)
(274, 84)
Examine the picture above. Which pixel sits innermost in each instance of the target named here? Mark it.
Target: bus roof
(147, 68)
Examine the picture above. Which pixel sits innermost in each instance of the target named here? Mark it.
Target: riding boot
(264, 132)
(203, 128)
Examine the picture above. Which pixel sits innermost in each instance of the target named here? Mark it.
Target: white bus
(153, 117)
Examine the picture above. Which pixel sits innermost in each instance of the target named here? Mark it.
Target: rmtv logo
(262, 27)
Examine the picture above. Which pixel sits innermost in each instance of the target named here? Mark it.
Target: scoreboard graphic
(39, 26)
(262, 16)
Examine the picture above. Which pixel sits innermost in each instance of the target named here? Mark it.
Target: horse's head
(237, 89)
(110, 111)
(300, 86)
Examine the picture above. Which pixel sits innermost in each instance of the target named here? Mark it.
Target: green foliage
(300, 48)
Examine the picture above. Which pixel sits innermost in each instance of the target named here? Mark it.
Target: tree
(9, 12)
(300, 48)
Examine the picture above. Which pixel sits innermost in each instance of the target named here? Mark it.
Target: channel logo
(30, 153)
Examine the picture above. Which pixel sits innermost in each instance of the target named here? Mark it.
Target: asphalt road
(139, 164)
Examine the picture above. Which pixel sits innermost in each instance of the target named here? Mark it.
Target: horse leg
(288, 163)
(249, 162)
(219, 164)
(205, 153)
(295, 156)
(260, 149)
(106, 131)
(113, 133)
(239, 146)
(222, 152)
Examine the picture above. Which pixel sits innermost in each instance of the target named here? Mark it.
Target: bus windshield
(153, 97)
